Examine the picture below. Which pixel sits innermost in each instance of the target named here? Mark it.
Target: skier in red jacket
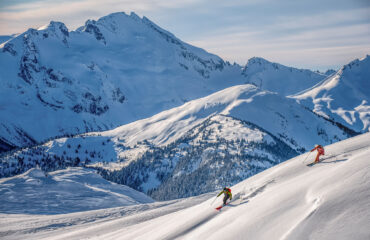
(320, 151)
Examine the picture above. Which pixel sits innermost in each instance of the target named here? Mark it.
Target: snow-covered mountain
(222, 138)
(290, 201)
(278, 78)
(344, 96)
(109, 72)
(64, 191)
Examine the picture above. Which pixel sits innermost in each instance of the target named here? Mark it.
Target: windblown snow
(327, 201)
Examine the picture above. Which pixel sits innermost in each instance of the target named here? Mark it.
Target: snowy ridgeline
(289, 201)
(207, 158)
(278, 78)
(64, 191)
(220, 151)
(343, 97)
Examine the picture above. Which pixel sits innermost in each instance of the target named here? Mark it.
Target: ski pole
(213, 201)
(306, 157)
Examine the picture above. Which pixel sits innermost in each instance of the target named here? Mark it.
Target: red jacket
(319, 149)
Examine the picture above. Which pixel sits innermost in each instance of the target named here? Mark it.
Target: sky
(314, 34)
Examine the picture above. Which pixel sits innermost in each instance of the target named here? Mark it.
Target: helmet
(225, 188)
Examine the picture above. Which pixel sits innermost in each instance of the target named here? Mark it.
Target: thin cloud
(324, 19)
(319, 46)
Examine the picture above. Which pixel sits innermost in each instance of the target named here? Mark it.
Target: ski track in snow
(199, 221)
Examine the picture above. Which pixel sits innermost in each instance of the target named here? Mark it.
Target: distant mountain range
(149, 111)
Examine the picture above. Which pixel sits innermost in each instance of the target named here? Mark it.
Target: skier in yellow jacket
(227, 194)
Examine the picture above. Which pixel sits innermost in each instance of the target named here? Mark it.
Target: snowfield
(329, 200)
(64, 191)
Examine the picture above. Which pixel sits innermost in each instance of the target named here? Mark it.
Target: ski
(219, 208)
(311, 164)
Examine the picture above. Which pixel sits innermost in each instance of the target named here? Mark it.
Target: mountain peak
(122, 24)
(257, 63)
(343, 96)
(257, 60)
(329, 72)
(118, 17)
(58, 28)
(362, 62)
(116, 20)
(279, 78)
(120, 21)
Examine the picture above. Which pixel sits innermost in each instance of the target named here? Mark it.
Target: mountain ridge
(326, 98)
(268, 75)
(230, 129)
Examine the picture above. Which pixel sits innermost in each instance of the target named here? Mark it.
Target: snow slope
(278, 78)
(64, 191)
(290, 201)
(344, 96)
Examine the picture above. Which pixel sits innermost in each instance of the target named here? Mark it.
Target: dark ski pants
(225, 198)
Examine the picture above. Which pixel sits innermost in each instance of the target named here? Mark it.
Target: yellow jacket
(226, 192)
